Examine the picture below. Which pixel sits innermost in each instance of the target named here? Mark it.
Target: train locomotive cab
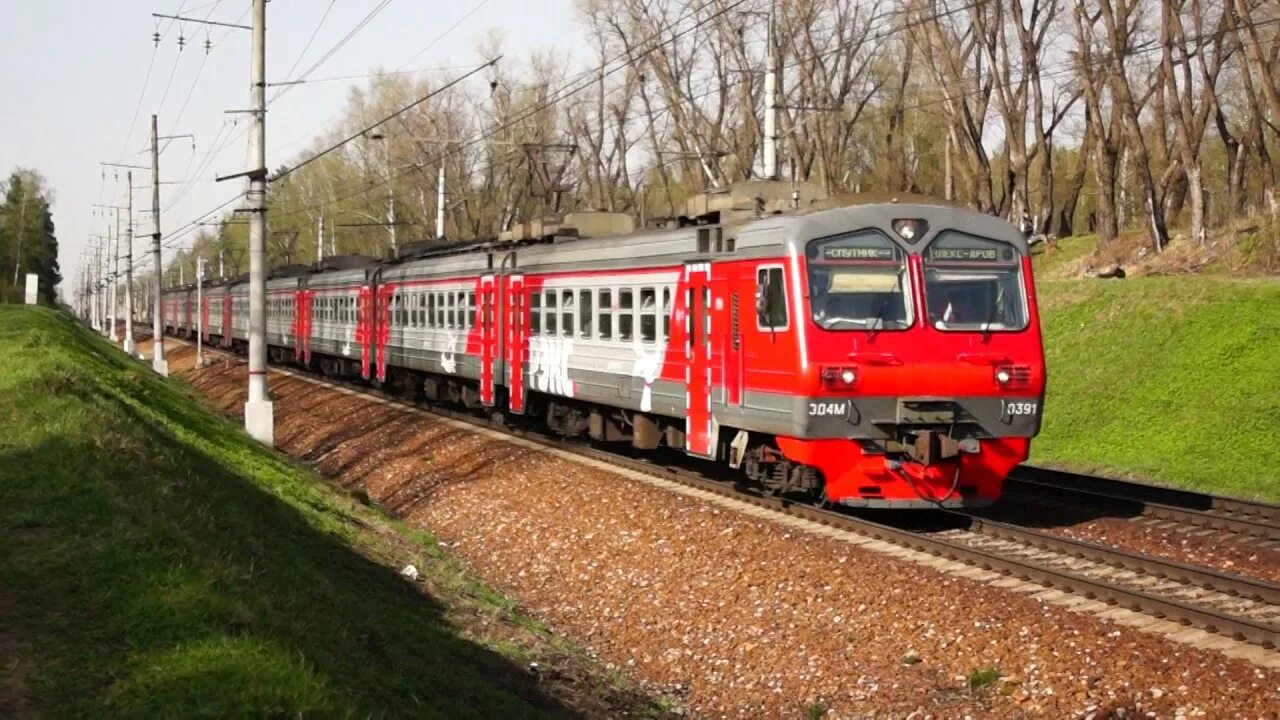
(922, 365)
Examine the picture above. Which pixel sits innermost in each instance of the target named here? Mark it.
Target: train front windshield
(973, 284)
(858, 282)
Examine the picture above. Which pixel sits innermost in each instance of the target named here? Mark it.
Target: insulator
(182, 42)
(155, 38)
(208, 45)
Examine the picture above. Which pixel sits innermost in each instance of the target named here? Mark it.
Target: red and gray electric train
(880, 354)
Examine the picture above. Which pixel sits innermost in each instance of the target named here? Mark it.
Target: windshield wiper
(878, 318)
(991, 317)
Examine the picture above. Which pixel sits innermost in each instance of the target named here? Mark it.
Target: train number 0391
(1022, 408)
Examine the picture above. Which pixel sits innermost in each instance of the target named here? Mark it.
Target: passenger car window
(626, 317)
(666, 313)
(605, 322)
(566, 313)
(648, 315)
(535, 313)
(549, 304)
(586, 317)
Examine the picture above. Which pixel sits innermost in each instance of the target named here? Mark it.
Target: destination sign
(838, 252)
(966, 254)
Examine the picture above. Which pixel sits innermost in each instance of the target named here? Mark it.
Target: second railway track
(1235, 607)
(1229, 515)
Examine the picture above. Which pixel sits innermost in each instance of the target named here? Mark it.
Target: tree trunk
(1195, 187)
(1105, 174)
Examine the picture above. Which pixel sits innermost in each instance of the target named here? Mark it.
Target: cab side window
(771, 299)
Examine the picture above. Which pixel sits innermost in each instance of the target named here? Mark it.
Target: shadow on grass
(151, 578)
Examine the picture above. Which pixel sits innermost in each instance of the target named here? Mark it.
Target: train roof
(749, 219)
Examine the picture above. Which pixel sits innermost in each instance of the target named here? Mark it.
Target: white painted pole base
(130, 348)
(114, 336)
(260, 421)
(161, 367)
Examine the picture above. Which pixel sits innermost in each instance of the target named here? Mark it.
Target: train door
(302, 326)
(364, 327)
(488, 338)
(516, 337)
(226, 319)
(699, 431)
(382, 324)
(204, 318)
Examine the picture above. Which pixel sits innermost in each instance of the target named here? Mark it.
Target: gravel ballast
(1238, 554)
(736, 616)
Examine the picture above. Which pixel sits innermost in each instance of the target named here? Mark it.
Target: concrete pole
(320, 238)
(103, 254)
(103, 280)
(259, 416)
(129, 347)
(440, 203)
(391, 195)
(97, 287)
(158, 363)
(90, 271)
(115, 282)
(199, 312)
(771, 106)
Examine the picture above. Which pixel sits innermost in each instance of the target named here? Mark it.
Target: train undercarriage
(925, 468)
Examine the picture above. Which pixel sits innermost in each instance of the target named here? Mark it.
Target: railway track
(1229, 515)
(1236, 607)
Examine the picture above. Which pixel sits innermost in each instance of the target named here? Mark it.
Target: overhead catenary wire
(1062, 69)
(589, 75)
(298, 166)
(402, 70)
(334, 50)
(316, 31)
(217, 148)
(579, 83)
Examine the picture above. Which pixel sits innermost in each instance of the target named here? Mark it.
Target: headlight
(839, 378)
(1003, 377)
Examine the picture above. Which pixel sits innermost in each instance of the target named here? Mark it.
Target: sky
(75, 91)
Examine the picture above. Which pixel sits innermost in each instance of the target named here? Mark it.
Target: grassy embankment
(154, 561)
(1171, 379)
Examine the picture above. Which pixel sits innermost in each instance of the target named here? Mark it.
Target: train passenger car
(598, 327)
(334, 301)
(175, 307)
(217, 313)
(427, 326)
(904, 362)
(283, 329)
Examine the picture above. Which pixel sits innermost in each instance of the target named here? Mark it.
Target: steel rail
(1245, 629)
(1244, 517)
(1226, 583)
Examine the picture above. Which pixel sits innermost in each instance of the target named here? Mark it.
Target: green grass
(1175, 380)
(156, 562)
(979, 679)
